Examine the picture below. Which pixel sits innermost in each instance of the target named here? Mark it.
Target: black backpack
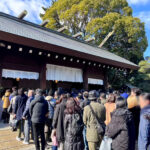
(76, 124)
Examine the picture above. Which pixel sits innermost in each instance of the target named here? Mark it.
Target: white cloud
(138, 2)
(145, 17)
(15, 7)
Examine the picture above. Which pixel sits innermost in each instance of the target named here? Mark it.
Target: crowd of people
(79, 120)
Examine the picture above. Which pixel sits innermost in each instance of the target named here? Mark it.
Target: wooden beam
(90, 39)
(22, 15)
(106, 38)
(77, 34)
(61, 50)
(44, 23)
(62, 29)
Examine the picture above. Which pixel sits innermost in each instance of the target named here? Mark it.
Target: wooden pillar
(85, 79)
(0, 75)
(105, 80)
(1, 60)
(43, 76)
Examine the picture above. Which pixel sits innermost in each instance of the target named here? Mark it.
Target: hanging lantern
(30, 51)
(9, 47)
(17, 79)
(20, 49)
(40, 53)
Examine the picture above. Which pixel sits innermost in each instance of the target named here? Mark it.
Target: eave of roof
(78, 45)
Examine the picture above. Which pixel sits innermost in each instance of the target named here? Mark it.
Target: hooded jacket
(20, 104)
(144, 129)
(121, 130)
(38, 109)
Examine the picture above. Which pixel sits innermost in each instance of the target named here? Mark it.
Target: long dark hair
(72, 107)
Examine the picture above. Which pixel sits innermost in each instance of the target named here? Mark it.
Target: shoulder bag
(100, 126)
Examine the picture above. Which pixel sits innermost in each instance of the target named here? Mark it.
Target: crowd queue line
(79, 120)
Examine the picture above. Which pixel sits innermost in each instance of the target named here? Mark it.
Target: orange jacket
(5, 99)
(110, 107)
(132, 101)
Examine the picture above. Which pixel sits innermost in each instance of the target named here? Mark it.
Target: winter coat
(144, 129)
(121, 130)
(26, 111)
(110, 107)
(51, 107)
(5, 99)
(38, 109)
(12, 95)
(20, 104)
(73, 127)
(135, 110)
(132, 101)
(90, 121)
(58, 120)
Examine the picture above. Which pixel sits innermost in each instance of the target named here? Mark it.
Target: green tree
(142, 78)
(97, 18)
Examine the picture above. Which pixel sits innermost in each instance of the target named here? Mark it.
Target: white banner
(61, 73)
(6, 73)
(95, 81)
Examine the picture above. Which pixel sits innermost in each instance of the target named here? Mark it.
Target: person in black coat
(19, 107)
(73, 126)
(85, 102)
(121, 128)
(39, 111)
(58, 121)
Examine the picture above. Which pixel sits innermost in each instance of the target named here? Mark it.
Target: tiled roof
(30, 30)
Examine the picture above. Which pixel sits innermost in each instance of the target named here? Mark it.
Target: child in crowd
(54, 140)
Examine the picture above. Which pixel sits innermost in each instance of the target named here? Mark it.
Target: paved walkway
(8, 140)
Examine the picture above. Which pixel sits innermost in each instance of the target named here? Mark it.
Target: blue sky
(141, 9)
